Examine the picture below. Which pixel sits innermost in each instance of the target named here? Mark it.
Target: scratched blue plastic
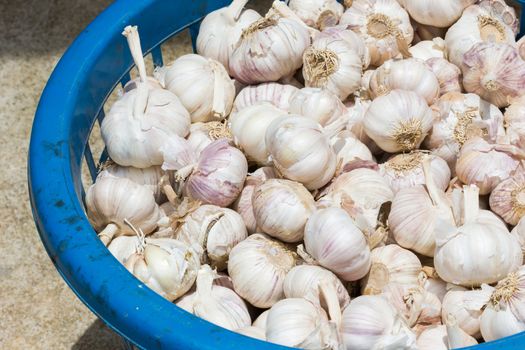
(71, 102)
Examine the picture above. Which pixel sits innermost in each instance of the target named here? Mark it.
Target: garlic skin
(484, 165)
(217, 230)
(215, 304)
(503, 315)
(398, 121)
(123, 247)
(370, 322)
(332, 64)
(515, 122)
(478, 248)
(252, 332)
(384, 26)
(303, 281)
(409, 74)
(269, 49)
(277, 94)
(300, 151)
(281, 208)
(117, 205)
(203, 134)
(427, 49)
(221, 29)
(406, 170)
(320, 105)
(467, 306)
(351, 38)
(348, 149)
(448, 75)
(317, 13)
(495, 72)
(248, 127)
(202, 85)
(475, 25)
(257, 267)
(439, 14)
(391, 264)
(165, 265)
(508, 198)
(332, 238)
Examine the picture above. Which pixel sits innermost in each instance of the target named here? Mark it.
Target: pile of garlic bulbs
(329, 177)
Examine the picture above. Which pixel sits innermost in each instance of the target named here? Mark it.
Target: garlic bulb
(144, 119)
(476, 25)
(461, 117)
(466, 306)
(167, 266)
(515, 122)
(500, 9)
(203, 134)
(217, 177)
(260, 322)
(391, 264)
(398, 121)
(519, 232)
(410, 74)
(332, 64)
(202, 85)
(357, 112)
(252, 332)
(478, 249)
(370, 322)
(300, 151)
(406, 170)
(495, 72)
(269, 49)
(430, 311)
(335, 242)
(485, 165)
(304, 280)
(448, 75)
(257, 267)
(440, 14)
(444, 337)
(277, 94)
(317, 13)
(351, 38)
(427, 49)
(320, 105)
(508, 198)
(217, 230)
(281, 208)
(218, 305)
(348, 149)
(221, 29)
(504, 314)
(432, 283)
(406, 300)
(384, 26)
(115, 206)
(248, 127)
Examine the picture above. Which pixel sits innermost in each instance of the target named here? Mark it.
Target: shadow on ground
(98, 337)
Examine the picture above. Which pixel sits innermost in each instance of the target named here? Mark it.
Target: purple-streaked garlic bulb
(508, 198)
(448, 75)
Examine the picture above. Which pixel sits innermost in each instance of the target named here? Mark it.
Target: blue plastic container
(71, 103)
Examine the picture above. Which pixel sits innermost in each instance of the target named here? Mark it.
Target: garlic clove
(349, 149)
(430, 281)
(277, 94)
(123, 247)
(427, 49)
(317, 13)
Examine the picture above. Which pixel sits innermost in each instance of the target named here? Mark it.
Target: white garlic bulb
(257, 267)
(504, 314)
(370, 322)
(351, 38)
(398, 121)
(485, 165)
(406, 170)
(444, 337)
(440, 14)
(495, 72)
(167, 266)
(432, 283)
(260, 321)
(332, 64)
(217, 230)
(384, 26)
(269, 49)
(252, 332)
(519, 232)
(475, 25)
(220, 30)
(448, 75)
(467, 306)
(144, 119)
(508, 198)
(500, 9)
(216, 304)
(277, 94)
(203, 134)
(248, 127)
(427, 49)
(478, 248)
(409, 74)
(349, 149)
(391, 264)
(300, 151)
(320, 105)
(317, 13)
(515, 122)
(202, 85)
(115, 206)
(332, 238)
(407, 301)
(281, 208)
